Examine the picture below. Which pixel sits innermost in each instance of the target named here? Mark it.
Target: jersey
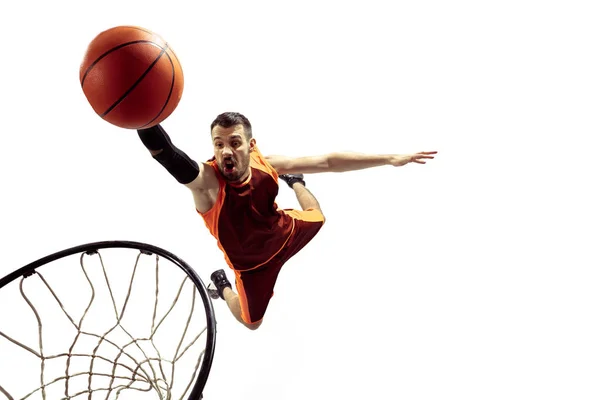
(249, 227)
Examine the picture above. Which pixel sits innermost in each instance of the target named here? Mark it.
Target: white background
(474, 276)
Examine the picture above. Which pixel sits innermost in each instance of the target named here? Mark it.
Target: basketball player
(234, 192)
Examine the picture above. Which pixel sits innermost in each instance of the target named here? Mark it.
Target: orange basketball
(131, 77)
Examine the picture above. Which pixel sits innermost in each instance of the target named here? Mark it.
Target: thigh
(255, 286)
(255, 289)
(306, 226)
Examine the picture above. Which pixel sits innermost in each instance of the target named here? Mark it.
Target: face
(232, 152)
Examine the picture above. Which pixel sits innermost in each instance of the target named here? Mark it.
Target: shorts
(255, 286)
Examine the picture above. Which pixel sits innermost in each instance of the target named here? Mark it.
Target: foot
(219, 279)
(290, 179)
(212, 291)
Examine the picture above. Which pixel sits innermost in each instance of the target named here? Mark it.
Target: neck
(242, 179)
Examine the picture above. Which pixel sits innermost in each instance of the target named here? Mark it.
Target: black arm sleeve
(182, 167)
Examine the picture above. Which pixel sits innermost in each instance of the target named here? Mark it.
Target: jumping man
(234, 192)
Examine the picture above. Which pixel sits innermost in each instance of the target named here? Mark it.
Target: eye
(218, 145)
(235, 143)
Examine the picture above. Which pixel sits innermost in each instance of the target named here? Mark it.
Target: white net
(107, 324)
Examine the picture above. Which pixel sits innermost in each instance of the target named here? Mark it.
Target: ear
(252, 144)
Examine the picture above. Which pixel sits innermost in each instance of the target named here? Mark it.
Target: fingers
(423, 154)
(418, 157)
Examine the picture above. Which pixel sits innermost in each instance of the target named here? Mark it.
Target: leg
(233, 302)
(223, 287)
(255, 286)
(306, 199)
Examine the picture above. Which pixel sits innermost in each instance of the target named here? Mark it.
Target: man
(234, 192)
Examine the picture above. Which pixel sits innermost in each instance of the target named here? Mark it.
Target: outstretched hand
(419, 158)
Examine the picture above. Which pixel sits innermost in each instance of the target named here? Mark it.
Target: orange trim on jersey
(245, 310)
(261, 163)
(308, 215)
(211, 217)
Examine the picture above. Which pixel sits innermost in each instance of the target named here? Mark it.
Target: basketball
(131, 77)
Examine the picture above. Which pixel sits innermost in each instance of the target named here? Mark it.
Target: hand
(419, 158)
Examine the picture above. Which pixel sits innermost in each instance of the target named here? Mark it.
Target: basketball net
(117, 325)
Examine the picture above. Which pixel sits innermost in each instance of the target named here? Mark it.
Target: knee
(322, 215)
(253, 326)
(317, 214)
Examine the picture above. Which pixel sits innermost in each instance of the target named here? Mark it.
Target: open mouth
(228, 165)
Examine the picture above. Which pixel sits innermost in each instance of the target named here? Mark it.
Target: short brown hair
(229, 119)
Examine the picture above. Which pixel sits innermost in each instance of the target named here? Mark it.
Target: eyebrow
(236, 136)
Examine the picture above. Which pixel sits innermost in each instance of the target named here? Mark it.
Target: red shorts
(255, 286)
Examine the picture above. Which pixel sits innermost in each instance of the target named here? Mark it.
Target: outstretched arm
(343, 162)
(175, 161)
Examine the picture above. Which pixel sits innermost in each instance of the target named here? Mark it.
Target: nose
(227, 151)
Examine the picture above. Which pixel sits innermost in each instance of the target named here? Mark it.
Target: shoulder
(207, 178)
(264, 163)
(278, 163)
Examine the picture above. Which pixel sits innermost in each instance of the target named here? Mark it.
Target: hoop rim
(211, 323)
